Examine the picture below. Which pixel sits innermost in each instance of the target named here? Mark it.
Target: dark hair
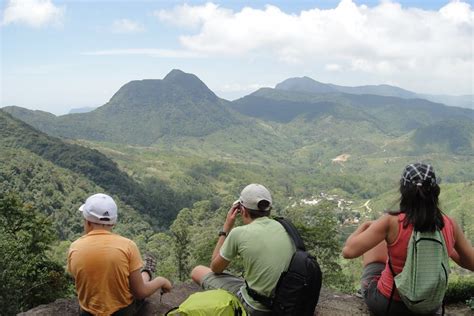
(262, 210)
(420, 205)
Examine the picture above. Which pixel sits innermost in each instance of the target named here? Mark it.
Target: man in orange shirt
(107, 268)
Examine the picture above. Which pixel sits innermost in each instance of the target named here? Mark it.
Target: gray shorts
(376, 301)
(232, 284)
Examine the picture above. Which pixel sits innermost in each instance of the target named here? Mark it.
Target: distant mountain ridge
(142, 111)
(392, 114)
(306, 84)
(180, 108)
(306, 115)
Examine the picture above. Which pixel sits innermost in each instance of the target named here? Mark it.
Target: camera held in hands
(237, 205)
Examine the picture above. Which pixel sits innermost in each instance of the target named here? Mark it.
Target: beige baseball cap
(253, 194)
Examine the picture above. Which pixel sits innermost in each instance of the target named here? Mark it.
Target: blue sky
(57, 55)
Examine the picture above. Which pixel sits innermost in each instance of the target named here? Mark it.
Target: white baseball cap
(100, 209)
(253, 194)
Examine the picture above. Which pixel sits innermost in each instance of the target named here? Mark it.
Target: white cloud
(151, 52)
(386, 39)
(333, 67)
(189, 16)
(127, 26)
(457, 12)
(34, 13)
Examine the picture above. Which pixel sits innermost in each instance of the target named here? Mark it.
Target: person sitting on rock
(391, 233)
(263, 244)
(108, 271)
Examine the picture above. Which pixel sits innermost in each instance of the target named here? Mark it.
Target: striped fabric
(423, 281)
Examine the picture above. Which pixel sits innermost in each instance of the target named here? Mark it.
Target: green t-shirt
(266, 250)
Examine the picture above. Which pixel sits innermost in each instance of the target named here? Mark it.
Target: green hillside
(150, 196)
(392, 115)
(58, 192)
(451, 135)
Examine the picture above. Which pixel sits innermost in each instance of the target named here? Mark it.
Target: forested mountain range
(302, 142)
(306, 84)
(154, 199)
(143, 111)
(365, 116)
(392, 113)
(180, 107)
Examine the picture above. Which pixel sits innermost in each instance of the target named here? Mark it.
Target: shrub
(27, 276)
(470, 303)
(460, 290)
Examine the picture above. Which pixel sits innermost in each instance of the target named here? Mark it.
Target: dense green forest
(174, 156)
(151, 196)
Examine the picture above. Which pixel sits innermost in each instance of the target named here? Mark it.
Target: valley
(300, 139)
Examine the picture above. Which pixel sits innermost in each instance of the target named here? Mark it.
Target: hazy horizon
(61, 55)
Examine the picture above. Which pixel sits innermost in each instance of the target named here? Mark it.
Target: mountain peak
(177, 76)
(175, 73)
(190, 83)
(304, 84)
(176, 85)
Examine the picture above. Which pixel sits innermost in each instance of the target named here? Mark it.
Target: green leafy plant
(460, 290)
(28, 277)
(470, 303)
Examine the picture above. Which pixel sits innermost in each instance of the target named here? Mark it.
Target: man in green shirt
(263, 244)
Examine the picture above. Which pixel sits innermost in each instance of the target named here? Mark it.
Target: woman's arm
(464, 252)
(365, 237)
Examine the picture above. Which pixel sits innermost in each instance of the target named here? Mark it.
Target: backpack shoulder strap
(292, 231)
(264, 300)
(172, 311)
(387, 311)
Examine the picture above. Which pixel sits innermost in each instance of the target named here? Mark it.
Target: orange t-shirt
(101, 263)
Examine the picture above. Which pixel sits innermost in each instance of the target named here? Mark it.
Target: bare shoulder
(388, 219)
(392, 222)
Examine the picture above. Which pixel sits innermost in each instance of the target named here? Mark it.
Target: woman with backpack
(386, 247)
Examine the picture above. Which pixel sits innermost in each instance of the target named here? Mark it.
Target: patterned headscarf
(419, 173)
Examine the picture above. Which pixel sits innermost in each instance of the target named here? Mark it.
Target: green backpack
(423, 281)
(209, 303)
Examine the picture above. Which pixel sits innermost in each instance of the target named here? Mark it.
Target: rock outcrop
(330, 304)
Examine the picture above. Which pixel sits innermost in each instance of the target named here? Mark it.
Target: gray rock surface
(330, 304)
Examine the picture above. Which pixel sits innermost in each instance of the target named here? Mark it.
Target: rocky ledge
(330, 304)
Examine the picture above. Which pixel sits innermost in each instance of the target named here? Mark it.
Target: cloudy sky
(58, 54)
